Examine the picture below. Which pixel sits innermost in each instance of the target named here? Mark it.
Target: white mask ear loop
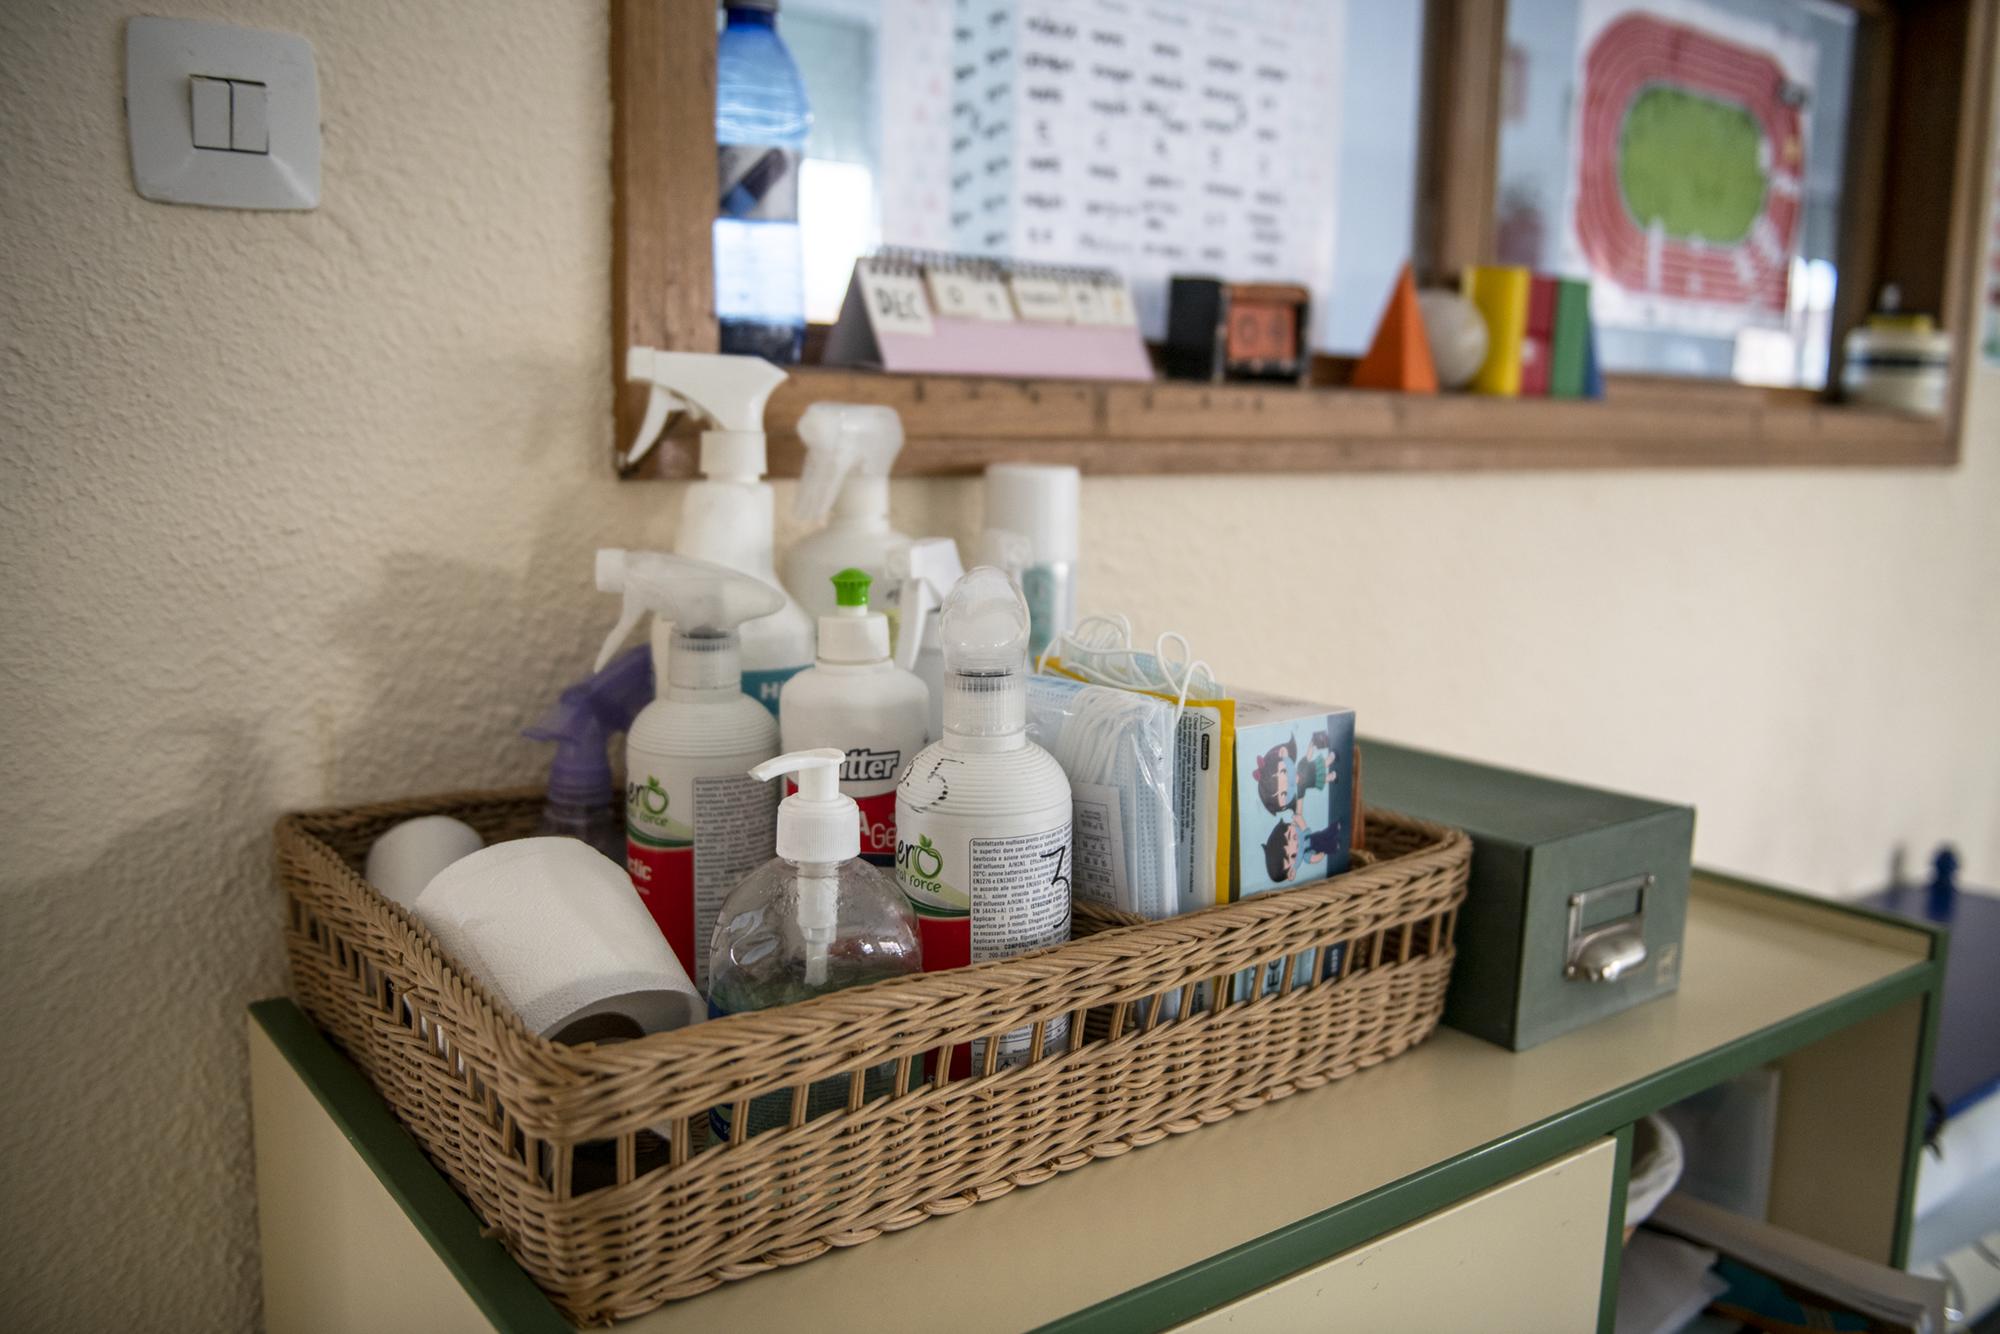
(1103, 653)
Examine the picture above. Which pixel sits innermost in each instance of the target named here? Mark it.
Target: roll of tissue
(403, 860)
(554, 928)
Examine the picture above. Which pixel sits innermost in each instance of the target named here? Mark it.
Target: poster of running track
(1688, 152)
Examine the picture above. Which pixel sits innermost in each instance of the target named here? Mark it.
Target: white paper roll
(554, 928)
(409, 855)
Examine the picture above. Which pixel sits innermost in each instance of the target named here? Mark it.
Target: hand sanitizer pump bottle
(983, 815)
(695, 821)
(813, 919)
(850, 448)
(856, 700)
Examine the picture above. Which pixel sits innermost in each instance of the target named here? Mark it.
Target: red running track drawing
(1638, 53)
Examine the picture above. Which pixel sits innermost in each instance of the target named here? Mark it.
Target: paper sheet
(1151, 136)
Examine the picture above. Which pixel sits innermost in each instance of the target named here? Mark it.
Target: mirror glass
(1274, 142)
(1686, 157)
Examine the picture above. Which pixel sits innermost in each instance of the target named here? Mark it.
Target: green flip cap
(850, 588)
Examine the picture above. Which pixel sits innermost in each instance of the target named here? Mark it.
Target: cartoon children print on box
(1294, 798)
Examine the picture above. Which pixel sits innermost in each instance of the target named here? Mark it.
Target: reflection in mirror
(1686, 157)
(1270, 143)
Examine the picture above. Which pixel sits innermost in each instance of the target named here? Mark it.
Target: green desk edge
(510, 1299)
(500, 1288)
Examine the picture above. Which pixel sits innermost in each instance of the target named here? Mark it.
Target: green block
(1570, 347)
(1537, 843)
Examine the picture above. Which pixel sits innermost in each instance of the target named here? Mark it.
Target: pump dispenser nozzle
(984, 627)
(853, 633)
(706, 603)
(727, 391)
(850, 448)
(818, 829)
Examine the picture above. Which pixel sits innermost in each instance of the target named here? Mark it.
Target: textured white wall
(299, 508)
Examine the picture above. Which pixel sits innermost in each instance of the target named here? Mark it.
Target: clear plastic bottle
(695, 822)
(761, 121)
(813, 919)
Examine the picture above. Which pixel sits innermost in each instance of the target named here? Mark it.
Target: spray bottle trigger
(661, 403)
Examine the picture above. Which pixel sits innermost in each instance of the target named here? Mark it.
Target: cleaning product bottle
(850, 448)
(761, 121)
(983, 815)
(927, 569)
(1040, 502)
(854, 699)
(583, 802)
(695, 822)
(726, 517)
(813, 919)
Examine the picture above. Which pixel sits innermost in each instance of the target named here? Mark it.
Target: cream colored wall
(299, 508)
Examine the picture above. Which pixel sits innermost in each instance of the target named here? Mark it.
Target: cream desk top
(1844, 1000)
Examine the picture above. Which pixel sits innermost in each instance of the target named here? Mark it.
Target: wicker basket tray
(593, 1165)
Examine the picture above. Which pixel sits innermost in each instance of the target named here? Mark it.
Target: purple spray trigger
(583, 721)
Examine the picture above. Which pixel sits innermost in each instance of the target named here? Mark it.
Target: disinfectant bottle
(927, 570)
(813, 919)
(727, 516)
(983, 815)
(854, 699)
(695, 821)
(850, 448)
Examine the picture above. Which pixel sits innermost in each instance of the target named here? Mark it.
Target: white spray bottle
(854, 699)
(695, 821)
(727, 516)
(983, 815)
(850, 448)
(927, 570)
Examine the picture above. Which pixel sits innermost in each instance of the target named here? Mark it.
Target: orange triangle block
(1400, 356)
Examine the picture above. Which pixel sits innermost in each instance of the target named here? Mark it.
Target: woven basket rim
(585, 1061)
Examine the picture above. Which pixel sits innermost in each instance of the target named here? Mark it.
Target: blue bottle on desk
(761, 120)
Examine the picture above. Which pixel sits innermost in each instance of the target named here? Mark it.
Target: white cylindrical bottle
(1040, 503)
(696, 822)
(856, 700)
(983, 815)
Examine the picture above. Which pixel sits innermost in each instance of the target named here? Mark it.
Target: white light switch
(208, 105)
(222, 116)
(249, 125)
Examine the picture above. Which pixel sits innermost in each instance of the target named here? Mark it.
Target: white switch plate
(162, 59)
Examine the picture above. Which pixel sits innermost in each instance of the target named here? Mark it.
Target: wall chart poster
(1148, 136)
(1688, 154)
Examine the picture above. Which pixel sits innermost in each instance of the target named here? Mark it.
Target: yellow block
(1501, 294)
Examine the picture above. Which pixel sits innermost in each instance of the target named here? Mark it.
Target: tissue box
(1292, 801)
(1578, 896)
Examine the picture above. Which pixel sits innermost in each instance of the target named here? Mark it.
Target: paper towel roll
(554, 928)
(409, 855)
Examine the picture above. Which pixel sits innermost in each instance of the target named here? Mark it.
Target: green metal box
(1578, 896)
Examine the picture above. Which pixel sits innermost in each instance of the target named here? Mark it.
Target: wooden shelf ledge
(956, 425)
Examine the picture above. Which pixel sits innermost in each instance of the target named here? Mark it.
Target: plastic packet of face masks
(1203, 755)
(1117, 748)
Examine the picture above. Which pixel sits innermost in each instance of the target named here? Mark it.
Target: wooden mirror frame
(1912, 214)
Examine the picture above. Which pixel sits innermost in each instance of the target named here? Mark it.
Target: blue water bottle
(761, 119)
